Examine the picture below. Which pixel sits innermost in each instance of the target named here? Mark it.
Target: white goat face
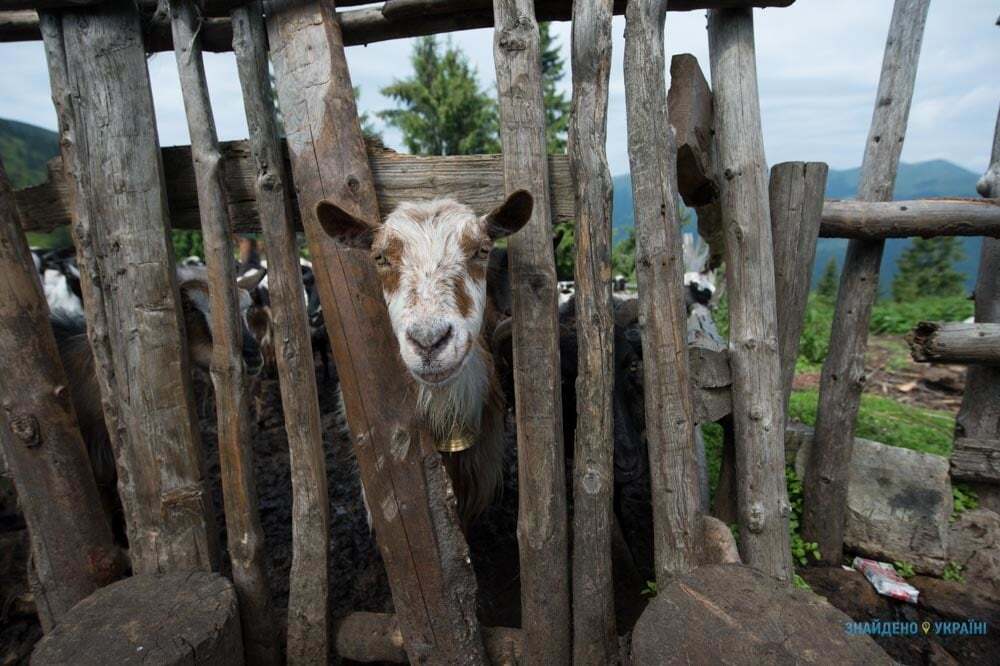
(431, 258)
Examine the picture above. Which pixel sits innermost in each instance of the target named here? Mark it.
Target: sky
(818, 65)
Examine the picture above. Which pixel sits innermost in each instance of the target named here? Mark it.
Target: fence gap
(843, 377)
(758, 417)
(541, 526)
(422, 546)
(229, 379)
(121, 229)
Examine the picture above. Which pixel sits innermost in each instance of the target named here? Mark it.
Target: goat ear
(510, 216)
(341, 226)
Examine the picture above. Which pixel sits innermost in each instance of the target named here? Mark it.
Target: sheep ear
(249, 280)
(510, 216)
(341, 226)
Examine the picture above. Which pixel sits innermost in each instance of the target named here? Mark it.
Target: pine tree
(827, 287)
(927, 268)
(443, 110)
(557, 106)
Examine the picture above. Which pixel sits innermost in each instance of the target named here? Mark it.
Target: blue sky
(818, 64)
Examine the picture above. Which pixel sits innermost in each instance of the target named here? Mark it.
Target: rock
(156, 620)
(899, 503)
(731, 614)
(718, 546)
(974, 543)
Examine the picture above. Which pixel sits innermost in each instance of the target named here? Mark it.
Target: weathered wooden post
(541, 525)
(121, 230)
(758, 414)
(262, 643)
(843, 378)
(660, 273)
(426, 558)
(71, 543)
(977, 425)
(796, 200)
(594, 638)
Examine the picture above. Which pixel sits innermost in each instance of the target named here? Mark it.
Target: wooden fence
(121, 195)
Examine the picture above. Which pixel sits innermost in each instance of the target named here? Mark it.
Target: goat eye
(381, 261)
(484, 252)
(633, 367)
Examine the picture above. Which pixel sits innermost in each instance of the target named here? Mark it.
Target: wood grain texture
(758, 414)
(926, 218)
(71, 547)
(405, 483)
(955, 342)
(976, 461)
(178, 619)
(397, 20)
(796, 202)
(541, 526)
(843, 377)
(595, 640)
(121, 230)
(662, 316)
(979, 415)
(229, 378)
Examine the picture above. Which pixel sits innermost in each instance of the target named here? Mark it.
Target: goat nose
(429, 337)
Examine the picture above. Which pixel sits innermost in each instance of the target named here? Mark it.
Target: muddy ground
(358, 581)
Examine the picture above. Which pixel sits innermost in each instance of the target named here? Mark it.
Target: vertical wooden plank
(843, 377)
(660, 274)
(71, 543)
(245, 534)
(758, 416)
(594, 638)
(121, 221)
(426, 558)
(541, 525)
(979, 416)
(796, 194)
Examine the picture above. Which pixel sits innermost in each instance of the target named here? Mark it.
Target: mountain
(25, 149)
(934, 178)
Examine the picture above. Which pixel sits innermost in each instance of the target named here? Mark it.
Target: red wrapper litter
(886, 581)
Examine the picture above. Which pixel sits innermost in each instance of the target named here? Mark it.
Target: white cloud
(818, 65)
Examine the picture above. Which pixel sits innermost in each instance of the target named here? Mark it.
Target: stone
(731, 614)
(899, 503)
(974, 543)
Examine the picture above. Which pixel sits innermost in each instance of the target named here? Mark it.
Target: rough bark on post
(979, 415)
(121, 227)
(796, 200)
(541, 526)
(955, 342)
(426, 557)
(843, 378)
(659, 266)
(594, 638)
(71, 544)
(758, 414)
(229, 380)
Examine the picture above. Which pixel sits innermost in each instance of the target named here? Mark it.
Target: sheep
(432, 259)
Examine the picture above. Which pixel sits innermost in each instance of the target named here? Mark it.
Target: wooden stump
(730, 614)
(154, 620)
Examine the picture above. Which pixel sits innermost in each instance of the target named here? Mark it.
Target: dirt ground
(892, 373)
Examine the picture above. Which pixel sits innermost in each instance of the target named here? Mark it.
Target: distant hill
(25, 149)
(935, 178)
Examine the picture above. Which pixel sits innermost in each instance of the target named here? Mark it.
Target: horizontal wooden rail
(396, 20)
(901, 219)
(477, 180)
(976, 460)
(938, 342)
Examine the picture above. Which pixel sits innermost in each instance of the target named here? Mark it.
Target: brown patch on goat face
(387, 257)
(462, 299)
(476, 247)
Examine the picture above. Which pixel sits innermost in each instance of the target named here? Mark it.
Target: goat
(432, 260)
(78, 363)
